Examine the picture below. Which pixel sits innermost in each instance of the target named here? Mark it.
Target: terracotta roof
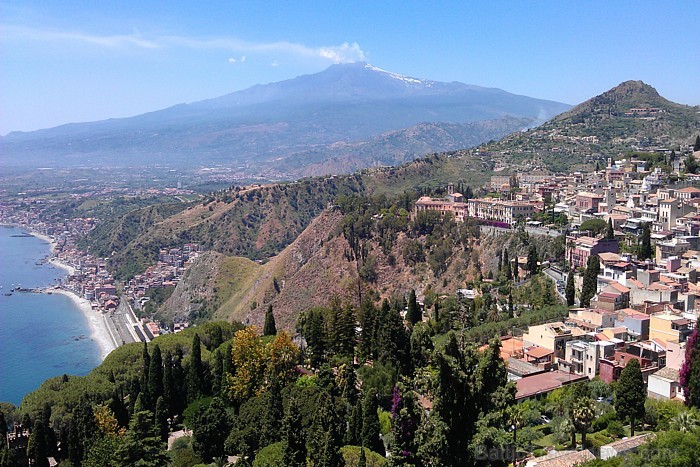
(625, 445)
(538, 352)
(659, 342)
(690, 189)
(543, 383)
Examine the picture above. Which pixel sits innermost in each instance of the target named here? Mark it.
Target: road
(559, 279)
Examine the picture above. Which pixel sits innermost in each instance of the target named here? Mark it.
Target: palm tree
(494, 314)
(685, 422)
(583, 414)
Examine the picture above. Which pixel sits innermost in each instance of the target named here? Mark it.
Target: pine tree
(370, 424)
(270, 328)
(195, 372)
(645, 251)
(631, 394)
(414, 314)
(293, 436)
(590, 281)
(570, 290)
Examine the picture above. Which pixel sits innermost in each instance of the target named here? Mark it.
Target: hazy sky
(66, 61)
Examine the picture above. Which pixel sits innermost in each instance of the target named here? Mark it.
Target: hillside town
(643, 309)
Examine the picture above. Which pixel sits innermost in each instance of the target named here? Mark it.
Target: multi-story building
(508, 212)
(669, 326)
(578, 249)
(553, 336)
(584, 357)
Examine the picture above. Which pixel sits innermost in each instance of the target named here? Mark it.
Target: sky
(69, 61)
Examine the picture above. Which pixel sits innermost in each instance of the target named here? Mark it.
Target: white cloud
(343, 53)
(232, 60)
(121, 40)
(275, 63)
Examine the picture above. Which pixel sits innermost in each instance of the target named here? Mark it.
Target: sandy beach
(60, 264)
(45, 238)
(96, 321)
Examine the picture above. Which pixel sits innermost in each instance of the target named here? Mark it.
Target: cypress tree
(696, 146)
(507, 271)
(270, 328)
(362, 461)
(169, 391)
(631, 394)
(155, 375)
(161, 418)
(570, 290)
(370, 424)
(516, 274)
(645, 251)
(609, 231)
(414, 314)
(532, 260)
(368, 316)
(590, 281)
(195, 372)
(146, 358)
(3, 431)
(293, 436)
(36, 447)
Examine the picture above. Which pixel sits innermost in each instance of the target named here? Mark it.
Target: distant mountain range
(294, 127)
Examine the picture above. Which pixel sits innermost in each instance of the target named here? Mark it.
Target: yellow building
(669, 327)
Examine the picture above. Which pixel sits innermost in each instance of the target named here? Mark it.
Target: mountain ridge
(254, 129)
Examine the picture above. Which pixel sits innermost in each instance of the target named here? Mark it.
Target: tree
(590, 281)
(414, 314)
(570, 291)
(583, 415)
(36, 446)
(210, 430)
(404, 422)
(195, 372)
(507, 270)
(146, 358)
(645, 251)
(609, 231)
(293, 436)
(270, 328)
(691, 165)
(630, 395)
(142, 446)
(155, 375)
(325, 438)
(690, 372)
(370, 424)
(161, 418)
(532, 260)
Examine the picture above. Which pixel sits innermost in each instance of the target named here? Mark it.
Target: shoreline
(99, 331)
(61, 265)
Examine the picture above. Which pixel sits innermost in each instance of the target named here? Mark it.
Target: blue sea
(41, 335)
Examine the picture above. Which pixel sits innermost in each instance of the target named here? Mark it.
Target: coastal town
(643, 309)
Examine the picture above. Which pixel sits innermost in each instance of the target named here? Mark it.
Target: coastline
(98, 326)
(45, 238)
(60, 264)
